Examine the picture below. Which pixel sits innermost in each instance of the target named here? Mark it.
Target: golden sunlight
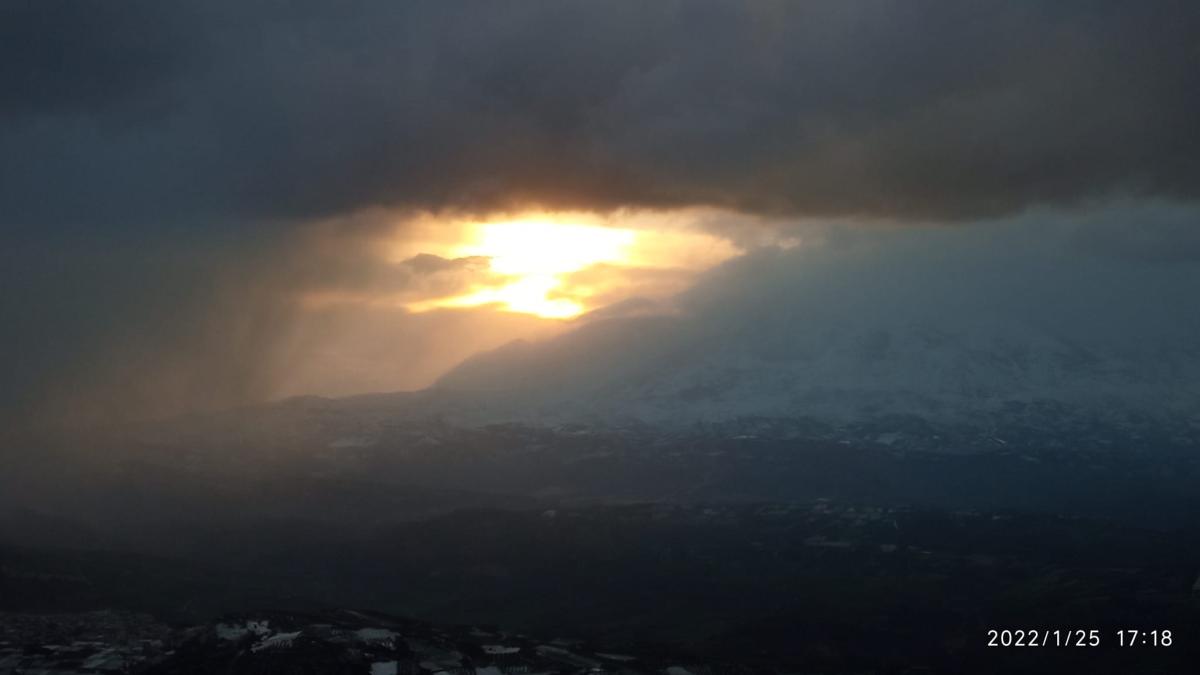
(533, 255)
(561, 265)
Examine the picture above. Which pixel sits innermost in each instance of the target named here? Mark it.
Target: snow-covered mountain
(935, 331)
(951, 338)
(664, 371)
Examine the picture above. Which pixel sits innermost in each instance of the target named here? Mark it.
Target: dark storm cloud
(152, 111)
(63, 57)
(160, 163)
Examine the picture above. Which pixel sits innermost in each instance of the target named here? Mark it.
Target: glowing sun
(532, 256)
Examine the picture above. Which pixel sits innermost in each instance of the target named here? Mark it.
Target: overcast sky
(173, 173)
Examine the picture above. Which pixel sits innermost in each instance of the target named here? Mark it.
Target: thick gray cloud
(160, 162)
(159, 111)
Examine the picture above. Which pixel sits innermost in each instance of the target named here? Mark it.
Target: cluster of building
(329, 643)
(370, 643)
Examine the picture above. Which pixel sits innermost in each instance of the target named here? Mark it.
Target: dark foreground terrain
(818, 587)
(317, 642)
(740, 551)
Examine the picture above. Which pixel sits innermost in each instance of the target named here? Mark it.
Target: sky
(207, 204)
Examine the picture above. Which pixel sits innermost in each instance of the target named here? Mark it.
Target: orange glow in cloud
(414, 300)
(536, 258)
(535, 254)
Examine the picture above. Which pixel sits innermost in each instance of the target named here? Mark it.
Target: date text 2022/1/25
(1077, 637)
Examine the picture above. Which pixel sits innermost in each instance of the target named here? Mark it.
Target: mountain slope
(845, 337)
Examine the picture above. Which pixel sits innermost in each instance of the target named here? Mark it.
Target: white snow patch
(276, 641)
(108, 659)
(500, 649)
(376, 635)
(384, 668)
